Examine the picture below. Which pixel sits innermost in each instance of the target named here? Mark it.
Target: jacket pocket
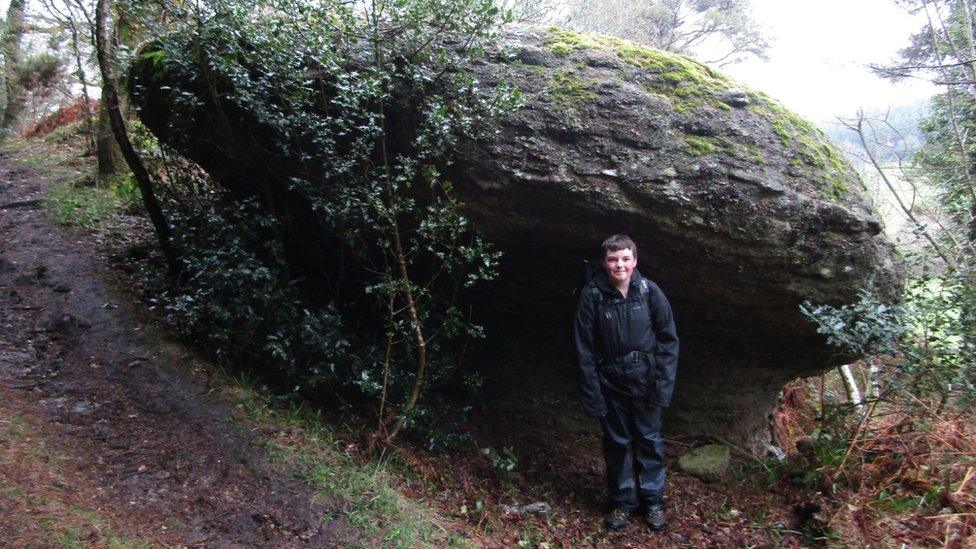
(635, 378)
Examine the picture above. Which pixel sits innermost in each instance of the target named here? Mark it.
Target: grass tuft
(299, 438)
(90, 207)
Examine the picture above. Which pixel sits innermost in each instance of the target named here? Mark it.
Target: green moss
(702, 145)
(697, 145)
(810, 146)
(561, 48)
(311, 451)
(675, 69)
(689, 85)
(534, 70)
(751, 153)
(153, 58)
(725, 143)
(721, 105)
(781, 129)
(150, 64)
(563, 42)
(569, 91)
(63, 134)
(660, 96)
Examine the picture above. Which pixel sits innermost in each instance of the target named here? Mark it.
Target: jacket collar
(607, 288)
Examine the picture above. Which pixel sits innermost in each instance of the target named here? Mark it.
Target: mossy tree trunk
(110, 158)
(109, 154)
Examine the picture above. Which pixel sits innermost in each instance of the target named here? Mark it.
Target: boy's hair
(619, 242)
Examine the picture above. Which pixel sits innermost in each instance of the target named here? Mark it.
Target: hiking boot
(616, 520)
(655, 518)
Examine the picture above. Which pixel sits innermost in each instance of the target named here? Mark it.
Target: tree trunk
(111, 100)
(109, 154)
(13, 57)
(110, 158)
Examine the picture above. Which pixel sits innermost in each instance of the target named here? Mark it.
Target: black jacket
(610, 326)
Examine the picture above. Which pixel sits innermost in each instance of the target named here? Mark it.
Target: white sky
(819, 53)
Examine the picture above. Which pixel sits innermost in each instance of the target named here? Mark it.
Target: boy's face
(620, 266)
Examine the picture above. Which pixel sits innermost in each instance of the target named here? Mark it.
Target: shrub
(319, 78)
(238, 307)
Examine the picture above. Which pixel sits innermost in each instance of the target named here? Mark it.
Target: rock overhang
(742, 209)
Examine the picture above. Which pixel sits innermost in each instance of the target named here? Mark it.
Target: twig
(740, 451)
(21, 203)
(949, 515)
(850, 448)
(965, 481)
(678, 442)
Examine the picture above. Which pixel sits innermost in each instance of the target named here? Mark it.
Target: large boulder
(741, 209)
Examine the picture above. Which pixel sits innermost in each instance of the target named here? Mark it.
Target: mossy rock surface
(742, 209)
(708, 463)
(693, 87)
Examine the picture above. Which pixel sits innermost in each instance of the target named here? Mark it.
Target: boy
(627, 350)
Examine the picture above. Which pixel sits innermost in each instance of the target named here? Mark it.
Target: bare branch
(858, 126)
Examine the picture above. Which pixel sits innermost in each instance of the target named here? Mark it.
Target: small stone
(537, 508)
(600, 59)
(735, 98)
(536, 57)
(701, 128)
(81, 408)
(708, 463)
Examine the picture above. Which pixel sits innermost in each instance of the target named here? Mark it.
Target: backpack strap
(594, 291)
(645, 291)
(644, 288)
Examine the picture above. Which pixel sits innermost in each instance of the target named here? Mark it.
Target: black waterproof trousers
(633, 449)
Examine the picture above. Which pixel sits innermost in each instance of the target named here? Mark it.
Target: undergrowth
(882, 470)
(298, 437)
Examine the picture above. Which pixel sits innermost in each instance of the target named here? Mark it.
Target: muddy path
(100, 416)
